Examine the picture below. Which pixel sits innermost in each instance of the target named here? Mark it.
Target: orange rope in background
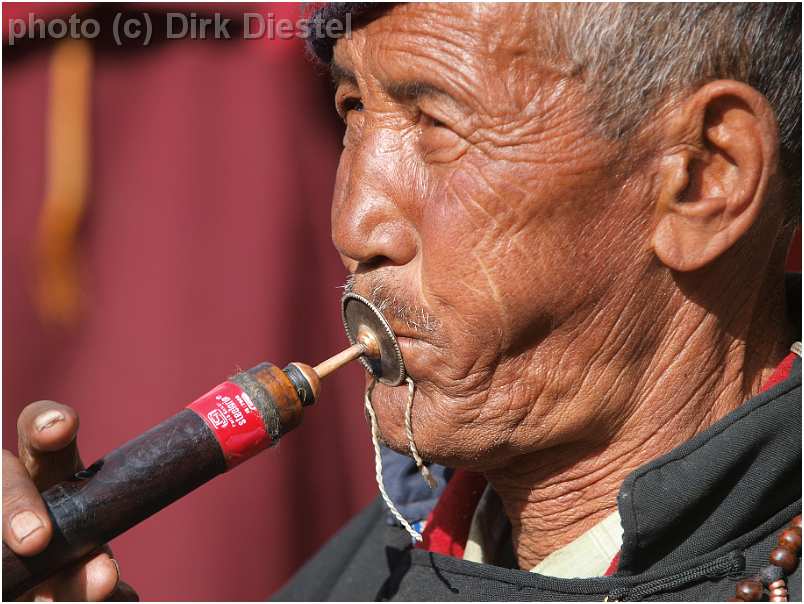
(58, 288)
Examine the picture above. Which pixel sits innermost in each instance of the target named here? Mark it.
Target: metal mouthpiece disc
(360, 314)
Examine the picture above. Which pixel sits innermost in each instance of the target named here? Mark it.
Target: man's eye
(439, 142)
(351, 104)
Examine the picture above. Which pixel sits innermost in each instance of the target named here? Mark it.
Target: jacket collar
(722, 484)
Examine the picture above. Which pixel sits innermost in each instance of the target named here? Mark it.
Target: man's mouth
(402, 331)
(417, 353)
(415, 347)
(406, 318)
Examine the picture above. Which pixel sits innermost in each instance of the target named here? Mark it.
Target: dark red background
(205, 249)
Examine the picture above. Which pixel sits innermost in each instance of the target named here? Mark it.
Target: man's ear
(713, 179)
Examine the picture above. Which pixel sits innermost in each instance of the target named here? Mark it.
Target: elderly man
(576, 218)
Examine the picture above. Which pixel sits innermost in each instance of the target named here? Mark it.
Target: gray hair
(636, 57)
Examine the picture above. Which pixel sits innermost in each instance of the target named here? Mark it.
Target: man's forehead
(444, 35)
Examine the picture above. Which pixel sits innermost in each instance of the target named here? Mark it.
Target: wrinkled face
(476, 202)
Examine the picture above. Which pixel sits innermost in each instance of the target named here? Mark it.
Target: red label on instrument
(234, 420)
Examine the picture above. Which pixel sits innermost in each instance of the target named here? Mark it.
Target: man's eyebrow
(408, 90)
(413, 90)
(341, 75)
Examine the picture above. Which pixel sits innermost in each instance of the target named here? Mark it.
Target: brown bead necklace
(783, 562)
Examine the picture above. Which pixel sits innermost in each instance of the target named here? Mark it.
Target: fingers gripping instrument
(231, 423)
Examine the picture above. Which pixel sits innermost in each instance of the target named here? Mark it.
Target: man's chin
(389, 404)
(439, 437)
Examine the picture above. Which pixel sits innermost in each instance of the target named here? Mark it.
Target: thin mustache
(391, 304)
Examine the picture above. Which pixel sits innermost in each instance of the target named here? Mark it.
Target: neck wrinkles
(702, 364)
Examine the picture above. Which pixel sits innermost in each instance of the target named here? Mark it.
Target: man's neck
(704, 365)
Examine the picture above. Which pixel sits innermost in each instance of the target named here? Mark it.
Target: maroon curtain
(205, 248)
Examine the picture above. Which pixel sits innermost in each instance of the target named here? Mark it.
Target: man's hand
(48, 454)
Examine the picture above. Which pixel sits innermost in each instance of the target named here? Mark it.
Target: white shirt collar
(589, 555)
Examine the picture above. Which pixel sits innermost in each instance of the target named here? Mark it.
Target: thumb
(47, 442)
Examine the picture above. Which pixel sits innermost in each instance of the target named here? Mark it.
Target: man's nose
(371, 224)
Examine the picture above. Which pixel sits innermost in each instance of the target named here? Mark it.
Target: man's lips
(409, 335)
(402, 331)
(414, 344)
(417, 355)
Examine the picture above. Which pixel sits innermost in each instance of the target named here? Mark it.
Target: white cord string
(375, 440)
(414, 452)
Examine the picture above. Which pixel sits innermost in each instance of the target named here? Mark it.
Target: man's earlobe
(713, 180)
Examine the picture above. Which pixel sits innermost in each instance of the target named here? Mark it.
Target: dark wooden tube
(116, 492)
(231, 423)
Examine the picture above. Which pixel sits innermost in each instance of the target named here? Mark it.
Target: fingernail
(39, 598)
(48, 419)
(117, 570)
(23, 524)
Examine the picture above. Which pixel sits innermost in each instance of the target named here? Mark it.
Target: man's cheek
(469, 286)
(474, 225)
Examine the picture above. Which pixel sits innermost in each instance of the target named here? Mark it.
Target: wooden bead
(770, 574)
(790, 539)
(748, 590)
(784, 559)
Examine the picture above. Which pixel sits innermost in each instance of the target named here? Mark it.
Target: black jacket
(696, 521)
